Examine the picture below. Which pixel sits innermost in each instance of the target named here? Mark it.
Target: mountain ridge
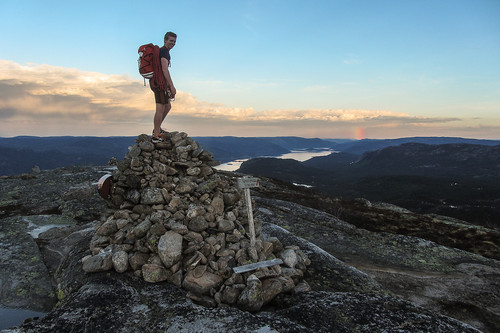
(19, 153)
(457, 180)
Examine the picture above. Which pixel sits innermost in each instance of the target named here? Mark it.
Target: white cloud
(47, 100)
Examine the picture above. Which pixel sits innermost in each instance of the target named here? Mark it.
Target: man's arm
(166, 73)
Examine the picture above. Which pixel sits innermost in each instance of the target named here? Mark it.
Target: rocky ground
(448, 280)
(362, 280)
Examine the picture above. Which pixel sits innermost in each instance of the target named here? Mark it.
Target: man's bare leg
(166, 110)
(161, 113)
(158, 119)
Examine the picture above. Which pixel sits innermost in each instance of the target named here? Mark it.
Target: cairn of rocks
(176, 219)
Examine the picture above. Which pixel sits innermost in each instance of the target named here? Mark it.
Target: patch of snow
(38, 230)
(302, 185)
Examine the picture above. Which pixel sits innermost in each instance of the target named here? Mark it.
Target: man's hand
(172, 92)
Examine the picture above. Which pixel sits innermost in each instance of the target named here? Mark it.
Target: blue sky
(356, 68)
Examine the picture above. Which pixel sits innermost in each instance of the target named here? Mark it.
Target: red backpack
(146, 61)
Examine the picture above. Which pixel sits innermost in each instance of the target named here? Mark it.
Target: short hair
(170, 34)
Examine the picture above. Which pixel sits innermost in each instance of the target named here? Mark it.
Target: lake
(298, 155)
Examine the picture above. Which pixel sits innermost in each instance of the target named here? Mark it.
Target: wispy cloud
(352, 59)
(47, 100)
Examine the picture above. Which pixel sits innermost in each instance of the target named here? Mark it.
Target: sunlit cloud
(47, 100)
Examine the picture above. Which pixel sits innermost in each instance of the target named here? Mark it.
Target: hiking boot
(162, 132)
(157, 139)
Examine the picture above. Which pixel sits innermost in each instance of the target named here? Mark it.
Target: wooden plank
(251, 226)
(255, 265)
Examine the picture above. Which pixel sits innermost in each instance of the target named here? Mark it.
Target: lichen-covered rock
(302, 287)
(289, 258)
(226, 225)
(120, 261)
(251, 298)
(99, 263)
(152, 196)
(198, 224)
(137, 260)
(25, 281)
(107, 228)
(271, 288)
(155, 273)
(142, 229)
(200, 281)
(230, 294)
(170, 248)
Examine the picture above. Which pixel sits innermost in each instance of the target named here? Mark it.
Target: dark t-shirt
(164, 53)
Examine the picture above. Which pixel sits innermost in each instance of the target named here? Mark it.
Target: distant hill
(227, 149)
(230, 148)
(449, 160)
(360, 146)
(461, 160)
(114, 146)
(21, 160)
(332, 162)
(20, 154)
(460, 180)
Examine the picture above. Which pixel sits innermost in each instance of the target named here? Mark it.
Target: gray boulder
(170, 248)
(251, 298)
(152, 196)
(200, 281)
(120, 261)
(99, 263)
(154, 273)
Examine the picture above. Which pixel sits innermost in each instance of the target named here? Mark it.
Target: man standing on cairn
(162, 84)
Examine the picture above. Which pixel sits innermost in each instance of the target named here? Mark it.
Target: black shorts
(161, 96)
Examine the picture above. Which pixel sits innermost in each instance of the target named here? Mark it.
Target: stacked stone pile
(176, 219)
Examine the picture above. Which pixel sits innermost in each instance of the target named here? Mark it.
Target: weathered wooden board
(248, 182)
(255, 265)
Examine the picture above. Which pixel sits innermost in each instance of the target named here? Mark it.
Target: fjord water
(298, 155)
